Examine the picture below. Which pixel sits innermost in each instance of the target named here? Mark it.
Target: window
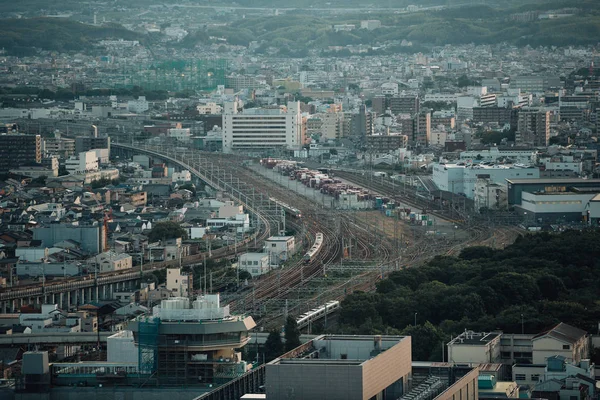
(566, 347)
(273, 245)
(505, 355)
(520, 377)
(535, 377)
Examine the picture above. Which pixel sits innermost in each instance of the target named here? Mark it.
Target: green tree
(273, 345)
(166, 230)
(292, 333)
(427, 341)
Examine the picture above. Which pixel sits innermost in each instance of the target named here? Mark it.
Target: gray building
(342, 367)
(90, 236)
(87, 143)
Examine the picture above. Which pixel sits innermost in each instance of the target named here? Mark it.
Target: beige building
(179, 283)
(111, 261)
(475, 347)
(562, 340)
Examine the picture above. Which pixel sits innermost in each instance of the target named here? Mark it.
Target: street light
(416, 319)
(522, 325)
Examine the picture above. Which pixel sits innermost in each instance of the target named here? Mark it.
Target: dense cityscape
(250, 200)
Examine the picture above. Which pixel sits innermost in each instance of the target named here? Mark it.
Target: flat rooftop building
(347, 367)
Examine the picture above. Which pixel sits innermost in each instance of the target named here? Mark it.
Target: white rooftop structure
(205, 307)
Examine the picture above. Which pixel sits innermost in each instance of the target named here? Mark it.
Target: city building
(533, 127)
(475, 347)
(83, 163)
(280, 248)
(386, 143)
(516, 187)
(181, 134)
(497, 115)
(519, 155)
(262, 129)
(563, 340)
(90, 236)
(87, 143)
(354, 367)
(255, 264)
(490, 195)
(568, 342)
(17, 150)
(191, 342)
(461, 178)
(180, 283)
(347, 367)
(109, 261)
(139, 105)
(59, 146)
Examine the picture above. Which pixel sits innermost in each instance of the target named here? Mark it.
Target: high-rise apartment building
(403, 104)
(533, 127)
(17, 150)
(262, 129)
(416, 127)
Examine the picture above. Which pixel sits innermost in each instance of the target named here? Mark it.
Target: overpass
(18, 339)
(82, 289)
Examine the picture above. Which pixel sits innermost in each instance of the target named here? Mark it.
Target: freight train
(289, 210)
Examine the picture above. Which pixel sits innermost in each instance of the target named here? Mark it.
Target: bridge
(79, 290)
(18, 339)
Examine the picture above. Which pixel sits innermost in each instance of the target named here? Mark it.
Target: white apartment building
(490, 195)
(139, 105)
(439, 97)
(260, 129)
(86, 161)
(389, 88)
(280, 248)
(255, 264)
(209, 108)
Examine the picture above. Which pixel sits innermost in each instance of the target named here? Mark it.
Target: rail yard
(341, 250)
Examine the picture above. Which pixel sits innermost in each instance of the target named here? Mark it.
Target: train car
(289, 210)
(317, 313)
(314, 250)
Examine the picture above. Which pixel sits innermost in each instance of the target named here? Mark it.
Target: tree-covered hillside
(480, 24)
(541, 280)
(56, 34)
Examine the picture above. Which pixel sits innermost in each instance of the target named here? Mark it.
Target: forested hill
(546, 278)
(56, 34)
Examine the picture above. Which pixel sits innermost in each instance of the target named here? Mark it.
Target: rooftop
(339, 350)
(564, 333)
(474, 338)
(536, 181)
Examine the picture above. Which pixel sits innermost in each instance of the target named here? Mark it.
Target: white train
(317, 313)
(314, 250)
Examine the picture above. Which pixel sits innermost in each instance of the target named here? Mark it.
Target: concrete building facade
(262, 129)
